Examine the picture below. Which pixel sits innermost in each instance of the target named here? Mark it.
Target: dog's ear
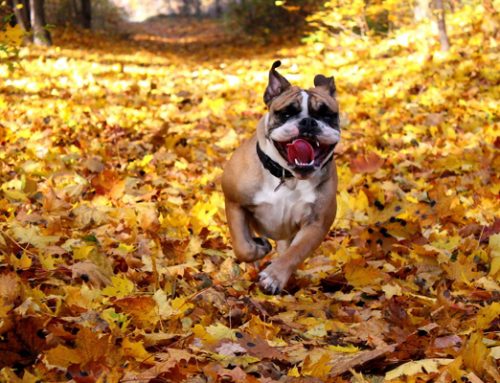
(327, 83)
(277, 84)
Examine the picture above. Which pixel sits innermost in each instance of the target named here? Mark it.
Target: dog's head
(302, 125)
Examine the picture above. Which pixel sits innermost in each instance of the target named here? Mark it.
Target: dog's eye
(288, 112)
(327, 115)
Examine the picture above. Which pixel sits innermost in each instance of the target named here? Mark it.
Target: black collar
(274, 168)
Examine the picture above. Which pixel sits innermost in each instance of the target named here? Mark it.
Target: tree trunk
(41, 35)
(441, 22)
(198, 8)
(22, 13)
(81, 12)
(218, 8)
(86, 14)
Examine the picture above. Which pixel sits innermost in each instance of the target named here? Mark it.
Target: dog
(282, 182)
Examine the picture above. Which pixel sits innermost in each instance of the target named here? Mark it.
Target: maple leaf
(32, 235)
(137, 351)
(415, 367)
(368, 163)
(476, 356)
(359, 274)
(88, 347)
(120, 287)
(142, 309)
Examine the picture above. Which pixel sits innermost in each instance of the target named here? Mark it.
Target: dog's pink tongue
(300, 150)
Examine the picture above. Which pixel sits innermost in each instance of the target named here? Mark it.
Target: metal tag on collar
(282, 180)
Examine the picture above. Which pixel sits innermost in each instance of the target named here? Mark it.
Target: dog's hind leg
(245, 247)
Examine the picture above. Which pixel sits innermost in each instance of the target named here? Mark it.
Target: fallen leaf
(368, 163)
(415, 367)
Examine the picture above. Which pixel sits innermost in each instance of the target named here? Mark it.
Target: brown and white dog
(282, 182)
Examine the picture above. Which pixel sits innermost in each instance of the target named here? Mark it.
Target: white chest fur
(279, 213)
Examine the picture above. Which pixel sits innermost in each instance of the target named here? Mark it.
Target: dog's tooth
(317, 143)
(297, 162)
(311, 163)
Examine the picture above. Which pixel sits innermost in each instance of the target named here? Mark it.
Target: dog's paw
(263, 247)
(273, 279)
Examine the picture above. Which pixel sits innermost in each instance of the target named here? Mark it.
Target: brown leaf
(89, 270)
(448, 341)
(238, 375)
(344, 363)
(167, 362)
(89, 347)
(143, 309)
(10, 288)
(258, 347)
(367, 163)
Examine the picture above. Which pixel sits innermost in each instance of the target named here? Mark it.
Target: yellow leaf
(317, 331)
(202, 213)
(217, 105)
(475, 354)
(126, 249)
(180, 165)
(258, 327)
(82, 252)
(319, 368)
(116, 320)
(487, 314)
(426, 366)
(346, 349)
(229, 140)
(136, 350)
(21, 263)
(119, 288)
(164, 308)
(180, 305)
(33, 236)
(294, 372)
(391, 289)
(145, 160)
(12, 35)
(494, 245)
(29, 378)
(219, 331)
(62, 356)
(359, 275)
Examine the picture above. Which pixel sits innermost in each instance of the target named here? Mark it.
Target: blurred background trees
(314, 21)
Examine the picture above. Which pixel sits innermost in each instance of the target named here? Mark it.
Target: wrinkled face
(303, 125)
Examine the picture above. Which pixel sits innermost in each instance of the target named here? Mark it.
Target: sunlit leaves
(115, 259)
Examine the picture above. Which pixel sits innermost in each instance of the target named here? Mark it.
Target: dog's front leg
(246, 248)
(275, 276)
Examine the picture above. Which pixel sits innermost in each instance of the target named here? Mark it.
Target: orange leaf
(367, 163)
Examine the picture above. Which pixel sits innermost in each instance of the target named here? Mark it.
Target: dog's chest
(278, 213)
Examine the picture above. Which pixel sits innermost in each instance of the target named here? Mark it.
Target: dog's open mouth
(304, 153)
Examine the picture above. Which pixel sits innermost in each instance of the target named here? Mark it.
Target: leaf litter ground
(115, 259)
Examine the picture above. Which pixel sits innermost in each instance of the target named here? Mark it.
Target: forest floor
(115, 259)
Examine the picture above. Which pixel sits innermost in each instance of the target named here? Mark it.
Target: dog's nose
(308, 126)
